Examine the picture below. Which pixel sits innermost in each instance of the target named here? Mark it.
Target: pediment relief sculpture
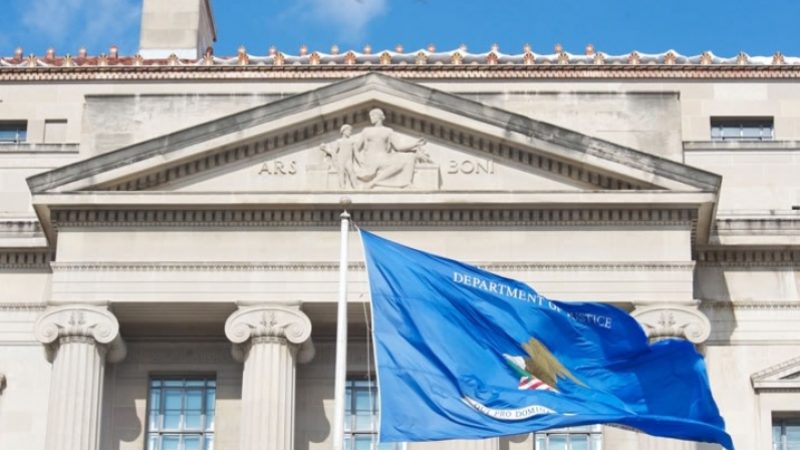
(375, 157)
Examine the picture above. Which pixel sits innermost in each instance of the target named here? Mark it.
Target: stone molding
(747, 257)
(673, 321)
(499, 72)
(276, 141)
(385, 217)
(782, 377)
(268, 323)
(326, 266)
(76, 322)
(22, 307)
(751, 305)
(25, 259)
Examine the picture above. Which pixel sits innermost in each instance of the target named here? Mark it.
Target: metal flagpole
(341, 337)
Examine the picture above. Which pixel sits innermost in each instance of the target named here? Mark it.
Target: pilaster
(268, 340)
(79, 339)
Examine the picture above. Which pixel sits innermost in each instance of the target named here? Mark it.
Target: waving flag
(463, 353)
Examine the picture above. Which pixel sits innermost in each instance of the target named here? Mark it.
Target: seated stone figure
(386, 158)
(376, 157)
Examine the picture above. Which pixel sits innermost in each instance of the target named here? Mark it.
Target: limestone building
(169, 225)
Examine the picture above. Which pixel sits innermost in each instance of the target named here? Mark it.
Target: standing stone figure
(342, 155)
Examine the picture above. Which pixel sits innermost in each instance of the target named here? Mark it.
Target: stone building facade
(169, 225)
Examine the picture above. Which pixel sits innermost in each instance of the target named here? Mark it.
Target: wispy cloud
(349, 17)
(91, 23)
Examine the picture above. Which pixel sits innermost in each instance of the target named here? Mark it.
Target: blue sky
(759, 27)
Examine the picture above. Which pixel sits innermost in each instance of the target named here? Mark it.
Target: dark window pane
(184, 409)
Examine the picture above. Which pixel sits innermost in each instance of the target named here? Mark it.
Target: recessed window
(742, 129)
(588, 437)
(786, 434)
(13, 132)
(55, 131)
(180, 413)
(361, 417)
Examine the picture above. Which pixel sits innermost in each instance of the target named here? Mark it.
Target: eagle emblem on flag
(540, 370)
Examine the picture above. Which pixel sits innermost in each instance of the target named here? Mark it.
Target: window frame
(19, 127)
(351, 432)
(593, 433)
(207, 427)
(764, 124)
(781, 423)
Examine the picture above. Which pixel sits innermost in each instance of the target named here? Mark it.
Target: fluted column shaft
(267, 340)
(79, 339)
(268, 395)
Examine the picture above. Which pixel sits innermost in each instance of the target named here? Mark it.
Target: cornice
(25, 259)
(754, 306)
(324, 266)
(270, 218)
(22, 307)
(37, 70)
(747, 257)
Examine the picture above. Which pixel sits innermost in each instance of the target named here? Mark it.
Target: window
(588, 437)
(13, 132)
(786, 434)
(181, 413)
(361, 417)
(741, 129)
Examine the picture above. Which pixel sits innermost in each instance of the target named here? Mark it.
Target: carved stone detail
(266, 339)
(325, 266)
(399, 217)
(674, 321)
(80, 339)
(376, 157)
(92, 324)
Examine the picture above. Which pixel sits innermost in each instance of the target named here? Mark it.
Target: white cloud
(91, 23)
(349, 17)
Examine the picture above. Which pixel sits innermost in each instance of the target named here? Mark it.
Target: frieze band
(405, 217)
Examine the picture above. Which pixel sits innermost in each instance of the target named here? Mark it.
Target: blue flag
(463, 353)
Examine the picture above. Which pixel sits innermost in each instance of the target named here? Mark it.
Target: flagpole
(341, 334)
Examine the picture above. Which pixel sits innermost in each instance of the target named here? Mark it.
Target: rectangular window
(786, 434)
(180, 413)
(588, 437)
(361, 417)
(13, 132)
(741, 129)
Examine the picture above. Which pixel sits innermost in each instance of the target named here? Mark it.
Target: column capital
(280, 322)
(80, 322)
(673, 321)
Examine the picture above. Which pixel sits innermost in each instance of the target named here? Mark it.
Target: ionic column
(268, 339)
(673, 321)
(664, 321)
(79, 339)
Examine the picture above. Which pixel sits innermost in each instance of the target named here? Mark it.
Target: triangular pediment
(785, 375)
(331, 162)
(467, 147)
